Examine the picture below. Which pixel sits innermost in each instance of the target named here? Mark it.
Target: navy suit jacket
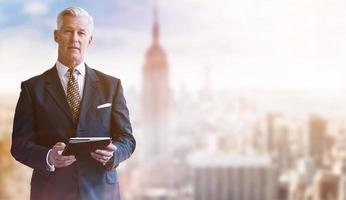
(43, 118)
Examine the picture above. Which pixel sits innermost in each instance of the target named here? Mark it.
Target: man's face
(73, 39)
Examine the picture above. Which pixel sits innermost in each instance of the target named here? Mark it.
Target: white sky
(271, 44)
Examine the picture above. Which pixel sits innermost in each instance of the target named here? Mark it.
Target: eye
(81, 33)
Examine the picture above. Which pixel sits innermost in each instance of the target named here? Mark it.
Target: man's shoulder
(38, 78)
(104, 77)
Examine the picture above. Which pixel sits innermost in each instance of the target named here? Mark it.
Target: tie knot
(71, 73)
(71, 70)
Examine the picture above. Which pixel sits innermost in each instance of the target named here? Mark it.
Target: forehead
(77, 22)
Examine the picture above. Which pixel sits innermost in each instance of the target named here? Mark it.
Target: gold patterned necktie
(73, 97)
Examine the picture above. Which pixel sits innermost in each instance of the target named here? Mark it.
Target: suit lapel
(54, 88)
(89, 93)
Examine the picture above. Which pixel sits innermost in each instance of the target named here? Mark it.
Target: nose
(74, 37)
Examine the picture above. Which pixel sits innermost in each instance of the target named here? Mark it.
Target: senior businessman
(72, 100)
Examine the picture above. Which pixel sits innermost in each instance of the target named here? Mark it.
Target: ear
(90, 39)
(56, 35)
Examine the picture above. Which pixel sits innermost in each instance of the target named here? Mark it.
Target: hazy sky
(271, 44)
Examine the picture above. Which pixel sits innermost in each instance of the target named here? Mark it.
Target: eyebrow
(71, 28)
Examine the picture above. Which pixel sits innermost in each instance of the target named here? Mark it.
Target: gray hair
(77, 12)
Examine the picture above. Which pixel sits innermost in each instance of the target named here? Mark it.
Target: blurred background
(229, 100)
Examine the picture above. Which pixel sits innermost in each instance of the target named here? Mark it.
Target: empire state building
(155, 95)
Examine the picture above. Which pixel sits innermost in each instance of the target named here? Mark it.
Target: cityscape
(215, 143)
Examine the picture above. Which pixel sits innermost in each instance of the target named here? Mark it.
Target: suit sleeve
(121, 128)
(23, 148)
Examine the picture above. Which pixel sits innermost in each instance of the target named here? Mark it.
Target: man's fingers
(59, 146)
(65, 163)
(104, 152)
(99, 157)
(111, 147)
(64, 158)
(104, 155)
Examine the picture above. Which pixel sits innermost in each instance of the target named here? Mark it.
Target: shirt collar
(62, 69)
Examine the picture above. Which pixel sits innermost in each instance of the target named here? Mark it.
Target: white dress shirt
(63, 74)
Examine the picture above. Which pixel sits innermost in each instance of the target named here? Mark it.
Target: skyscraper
(325, 186)
(155, 95)
(237, 177)
(271, 117)
(316, 138)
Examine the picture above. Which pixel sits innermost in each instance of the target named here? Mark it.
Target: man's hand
(55, 158)
(103, 156)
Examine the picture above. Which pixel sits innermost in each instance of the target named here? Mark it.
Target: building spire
(156, 28)
(156, 96)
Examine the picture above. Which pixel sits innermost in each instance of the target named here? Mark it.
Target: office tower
(316, 138)
(270, 130)
(233, 177)
(155, 96)
(325, 186)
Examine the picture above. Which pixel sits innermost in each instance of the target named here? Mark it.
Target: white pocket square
(104, 105)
